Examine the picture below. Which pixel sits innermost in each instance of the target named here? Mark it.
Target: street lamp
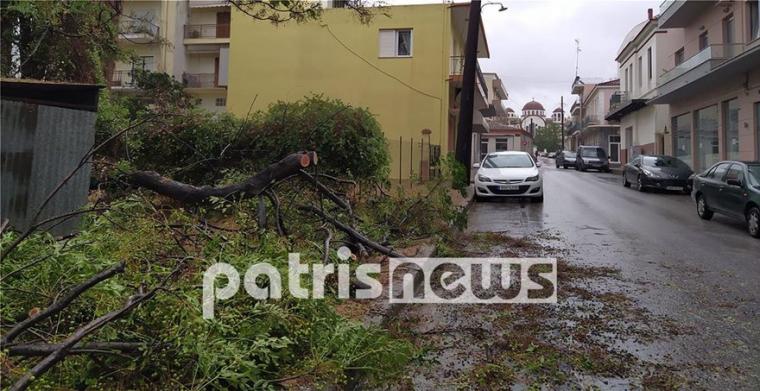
(501, 6)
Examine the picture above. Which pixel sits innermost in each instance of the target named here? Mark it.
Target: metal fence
(47, 129)
(414, 159)
(207, 31)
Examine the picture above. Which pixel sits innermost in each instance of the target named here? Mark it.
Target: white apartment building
(189, 40)
(641, 61)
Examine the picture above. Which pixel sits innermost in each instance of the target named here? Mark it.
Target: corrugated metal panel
(40, 146)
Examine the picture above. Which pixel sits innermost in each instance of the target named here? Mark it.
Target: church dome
(533, 105)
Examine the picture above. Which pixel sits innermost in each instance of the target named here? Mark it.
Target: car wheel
(557, 165)
(639, 184)
(479, 198)
(538, 200)
(702, 210)
(625, 181)
(753, 221)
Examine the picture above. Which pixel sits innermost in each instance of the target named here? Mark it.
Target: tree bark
(253, 186)
(43, 349)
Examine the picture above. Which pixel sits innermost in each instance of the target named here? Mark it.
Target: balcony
(207, 31)
(621, 104)
(122, 79)
(138, 31)
(591, 119)
(208, 3)
(681, 13)
(200, 80)
(456, 69)
(716, 64)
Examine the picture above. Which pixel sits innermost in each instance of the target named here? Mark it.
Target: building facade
(643, 126)
(591, 127)
(711, 81)
(504, 131)
(188, 40)
(406, 68)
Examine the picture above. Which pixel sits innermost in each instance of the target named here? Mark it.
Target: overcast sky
(533, 49)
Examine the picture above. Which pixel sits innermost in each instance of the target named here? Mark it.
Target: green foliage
(194, 145)
(249, 345)
(59, 40)
(548, 138)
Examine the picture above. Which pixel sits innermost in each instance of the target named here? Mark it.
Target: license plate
(679, 188)
(508, 187)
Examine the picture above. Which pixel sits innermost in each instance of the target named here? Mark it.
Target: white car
(509, 174)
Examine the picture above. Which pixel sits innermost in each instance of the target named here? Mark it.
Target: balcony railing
(457, 69)
(207, 31)
(619, 99)
(122, 79)
(591, 119)
(132, 29)
(200, 80)
(715, 52)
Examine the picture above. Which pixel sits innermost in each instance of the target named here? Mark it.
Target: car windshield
(593, 152)
(754, 174)
(508, 161)
(568, 154)
(663, 161)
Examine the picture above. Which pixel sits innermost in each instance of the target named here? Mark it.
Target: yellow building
(406, 68)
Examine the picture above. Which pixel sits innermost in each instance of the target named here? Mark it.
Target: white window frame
(395, 43)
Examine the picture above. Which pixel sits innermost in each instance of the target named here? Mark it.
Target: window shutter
(387, 43)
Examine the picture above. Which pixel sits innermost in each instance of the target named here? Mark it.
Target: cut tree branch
(59, 305)
(356, 235)
(251, 187)
(43, 349)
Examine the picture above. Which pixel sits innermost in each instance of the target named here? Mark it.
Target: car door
(632, 169)
(733, 197)
(712, 185)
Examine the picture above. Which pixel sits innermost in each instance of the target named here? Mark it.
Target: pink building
(711, 80)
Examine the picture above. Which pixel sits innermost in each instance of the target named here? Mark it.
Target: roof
(631, 36)
(76, 96)
(557, 110)
(533, 105)
(509, 110)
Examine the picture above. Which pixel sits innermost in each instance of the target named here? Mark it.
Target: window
(736, 172)
(220, 102)
(682, 135)
(679, 56)
(396, 43)
(627, 88)
(649, 63)
(641, 79)
(719, 172)
(483, 147)
(728, 29)
(754, 19)
(198, 101)
(707, 137)
(703, 41)
(502, 144)
(731, 126)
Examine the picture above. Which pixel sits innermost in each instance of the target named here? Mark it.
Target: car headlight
(484, 178)
(532, 179)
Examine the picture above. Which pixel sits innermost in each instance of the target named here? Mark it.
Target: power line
(378, 68)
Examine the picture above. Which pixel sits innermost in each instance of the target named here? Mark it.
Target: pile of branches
(262, 184)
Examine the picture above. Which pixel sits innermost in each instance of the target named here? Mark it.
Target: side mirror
(734, 182)
(476, 165)
(538, 164)
(637, 165)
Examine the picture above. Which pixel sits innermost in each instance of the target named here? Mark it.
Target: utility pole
(467, 101)
(562, 119)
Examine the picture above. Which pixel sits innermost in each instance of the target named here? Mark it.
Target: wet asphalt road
(703, 274)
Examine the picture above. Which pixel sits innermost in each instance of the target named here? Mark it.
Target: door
(216, 71)
(614, 148)
(757, 130)
(631, 170)
(222, 25)
(714, 185)
(733, 198)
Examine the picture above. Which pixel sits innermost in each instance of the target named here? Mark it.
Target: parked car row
(730, 188)
(585, 158)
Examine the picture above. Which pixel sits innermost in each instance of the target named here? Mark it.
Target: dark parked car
(658, 172)
(565, 159)
(591, 157)
(730, 188)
